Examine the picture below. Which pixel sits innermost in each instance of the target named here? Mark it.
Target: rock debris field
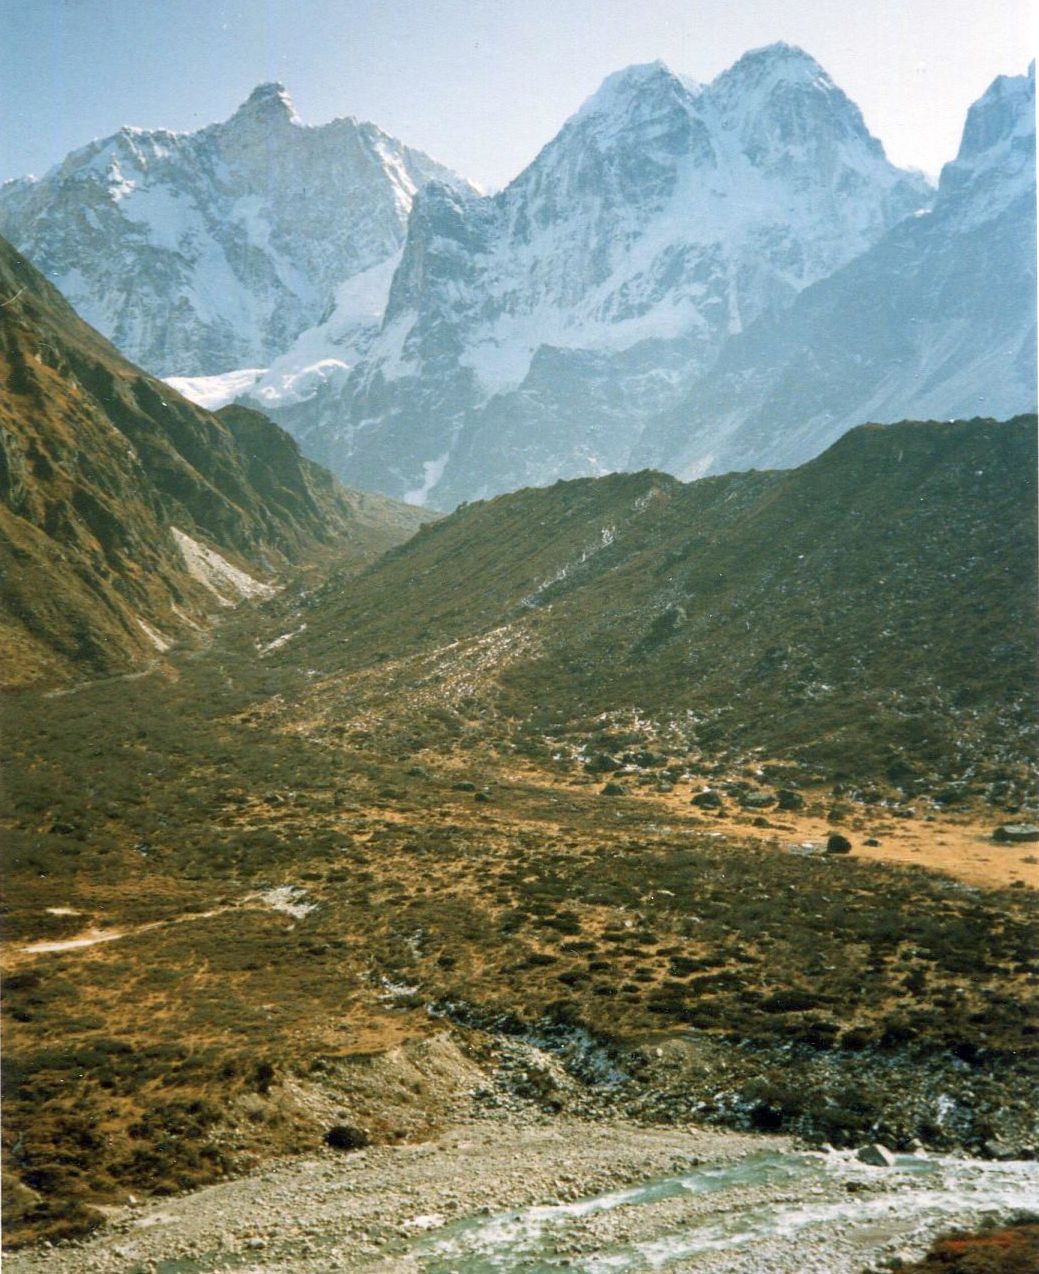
(556, 1194)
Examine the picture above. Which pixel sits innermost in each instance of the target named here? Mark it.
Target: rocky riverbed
(548, 1193)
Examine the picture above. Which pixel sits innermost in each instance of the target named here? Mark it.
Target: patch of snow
(395, 990)
(278, 642)
(217, 573)
(161, 643)
(288, 899)
(214, 392)
(90, 939)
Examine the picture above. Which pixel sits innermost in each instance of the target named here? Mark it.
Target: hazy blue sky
(479, 84)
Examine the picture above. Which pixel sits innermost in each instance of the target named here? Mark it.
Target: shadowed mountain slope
(127, 513)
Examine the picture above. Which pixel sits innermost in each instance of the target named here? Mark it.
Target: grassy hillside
(870, 612)
(98, 462)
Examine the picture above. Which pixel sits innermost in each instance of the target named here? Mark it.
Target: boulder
(789, 800)
(1016, 833)
(346, 1137)
(645, 759)
(756, 800)
(996, 1148)
(876, 1156)
(708, 800)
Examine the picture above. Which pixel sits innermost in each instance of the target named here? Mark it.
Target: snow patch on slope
(214, 392)
(225, 581)
(161, 643)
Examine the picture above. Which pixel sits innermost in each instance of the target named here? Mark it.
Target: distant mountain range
(692, 277)
(128, 515)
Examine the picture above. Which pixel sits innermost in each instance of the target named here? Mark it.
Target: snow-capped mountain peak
(633, 86)
(664, 217)
(201, 253)
(936, 320)
(775, 63)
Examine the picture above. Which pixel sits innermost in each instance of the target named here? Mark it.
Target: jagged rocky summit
(200, 253)
(531, 334)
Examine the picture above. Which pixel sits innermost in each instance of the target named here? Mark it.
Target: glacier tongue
(214, 392)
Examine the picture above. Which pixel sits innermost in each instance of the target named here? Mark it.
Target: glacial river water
(824, 1211)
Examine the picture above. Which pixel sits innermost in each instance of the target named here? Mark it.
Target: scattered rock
(876, 1156)
(482, 796)
(838, 844)
(463, 785)
(645, 759)
(614, 788)
(756, 800)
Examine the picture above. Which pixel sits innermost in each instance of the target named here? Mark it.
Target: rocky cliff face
(937, 320)
(204, 252)
(530, 335)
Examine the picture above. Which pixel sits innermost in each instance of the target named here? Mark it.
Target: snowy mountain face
(936, 321)
(211, 251)
(530, 335)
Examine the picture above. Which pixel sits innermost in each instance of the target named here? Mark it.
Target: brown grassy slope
(836, 998)
(99, 460)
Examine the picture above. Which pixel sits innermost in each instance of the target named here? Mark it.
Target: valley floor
(539, 1193)
(247, 905)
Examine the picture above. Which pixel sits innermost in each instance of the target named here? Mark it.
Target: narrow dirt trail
(280, 900)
